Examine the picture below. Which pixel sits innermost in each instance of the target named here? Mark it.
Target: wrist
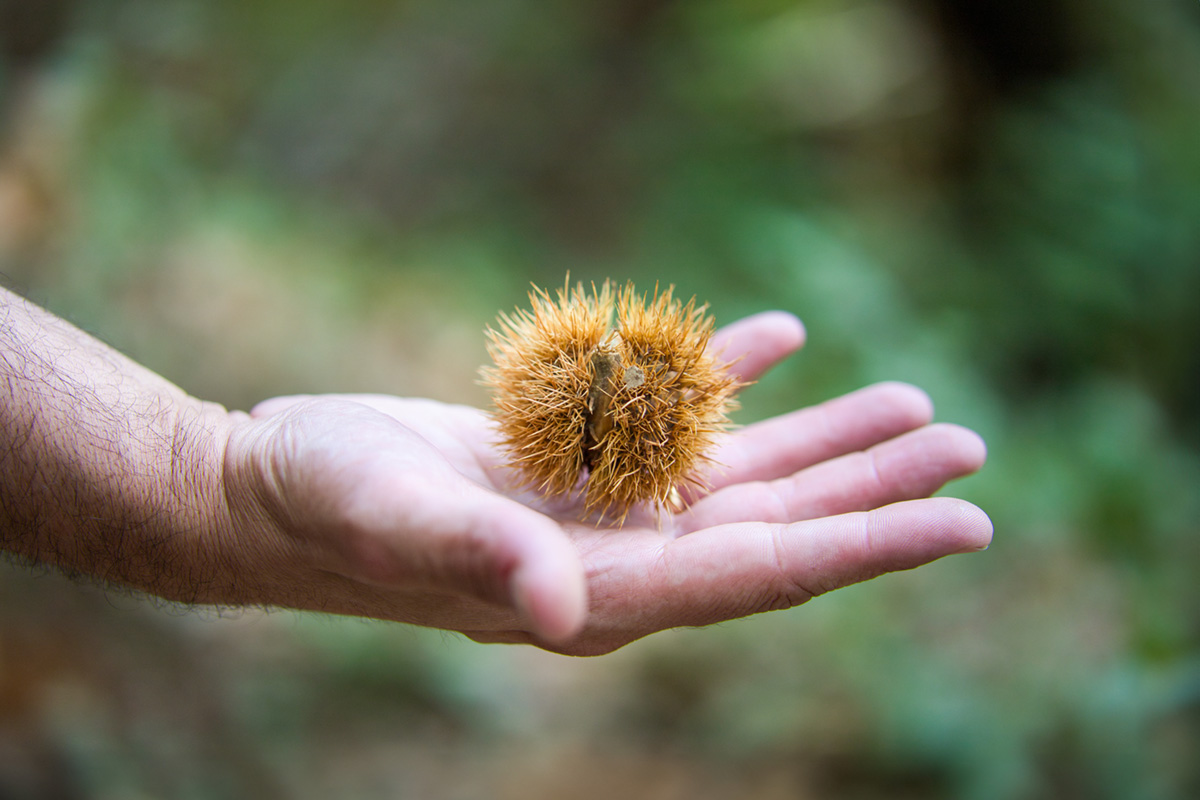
(261, 560)
(209, 565)
(106, 469)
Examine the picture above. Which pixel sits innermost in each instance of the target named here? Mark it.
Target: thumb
(546, 582)
(375, 502)
(503, 551)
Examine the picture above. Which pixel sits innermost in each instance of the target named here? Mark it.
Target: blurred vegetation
(998, 201)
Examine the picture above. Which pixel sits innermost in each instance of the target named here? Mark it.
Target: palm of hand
(780, 526)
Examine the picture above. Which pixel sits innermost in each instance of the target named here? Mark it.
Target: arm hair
(106, 469)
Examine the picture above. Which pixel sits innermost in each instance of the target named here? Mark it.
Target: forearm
(106, 469)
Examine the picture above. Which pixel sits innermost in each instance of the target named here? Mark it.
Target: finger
(548, 585)
(502, 551)
(736, 570)
(786, 444)
(409, 521)
(913, 465)
(751, 346)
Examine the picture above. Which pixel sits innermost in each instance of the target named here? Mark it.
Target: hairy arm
(108, 469)
(396, 509)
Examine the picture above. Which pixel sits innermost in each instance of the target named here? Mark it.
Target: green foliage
(265, 197)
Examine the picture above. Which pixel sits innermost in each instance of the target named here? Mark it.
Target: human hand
(400, 509)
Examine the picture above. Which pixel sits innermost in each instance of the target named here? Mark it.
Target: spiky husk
(630, 405)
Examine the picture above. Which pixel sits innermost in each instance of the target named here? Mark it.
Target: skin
(399, 509)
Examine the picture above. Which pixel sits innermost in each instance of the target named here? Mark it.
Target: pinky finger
(751, 346)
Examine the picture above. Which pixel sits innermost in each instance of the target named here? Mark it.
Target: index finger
(737, 570)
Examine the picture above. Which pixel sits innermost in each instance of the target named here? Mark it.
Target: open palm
(402, 509)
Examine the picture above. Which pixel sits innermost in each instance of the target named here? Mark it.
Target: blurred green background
(997, 201)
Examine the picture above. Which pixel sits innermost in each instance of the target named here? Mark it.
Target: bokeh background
(995, 200)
